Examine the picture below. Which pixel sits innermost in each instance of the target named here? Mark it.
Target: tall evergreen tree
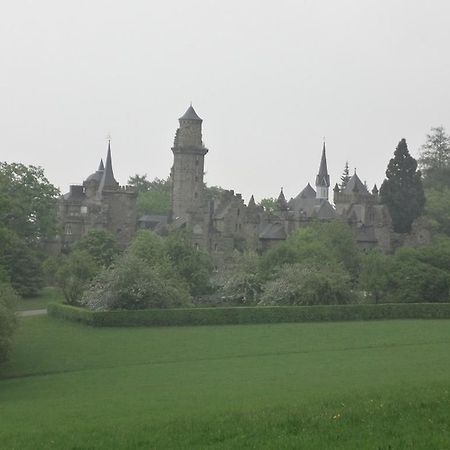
(434, 159)
(345, 176)
(402, 190)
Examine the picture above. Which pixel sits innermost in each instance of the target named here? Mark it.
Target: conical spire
(375, 190)
(108, 180)
(251, 203)
(101, 167)
(281, 201)
(190, 114)
(323, 179)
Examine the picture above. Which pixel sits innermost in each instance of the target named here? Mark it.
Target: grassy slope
(333, 385)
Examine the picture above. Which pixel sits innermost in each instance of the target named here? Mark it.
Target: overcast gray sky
(269, 79)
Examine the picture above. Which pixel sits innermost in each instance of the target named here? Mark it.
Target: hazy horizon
(269, 82)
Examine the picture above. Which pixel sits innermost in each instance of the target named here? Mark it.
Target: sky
(270, 79)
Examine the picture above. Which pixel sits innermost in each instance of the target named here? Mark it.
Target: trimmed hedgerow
(250, 315)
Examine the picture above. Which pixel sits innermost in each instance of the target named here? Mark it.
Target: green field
(353, 385)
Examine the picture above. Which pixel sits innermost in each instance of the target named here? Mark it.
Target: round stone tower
(188, 192)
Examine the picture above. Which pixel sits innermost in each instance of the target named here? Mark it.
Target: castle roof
(355, 185)
(190, 114)
(323, 179)
(281, 201)
(273, 231)
(96, 176)
(307, 192)
(108, 180)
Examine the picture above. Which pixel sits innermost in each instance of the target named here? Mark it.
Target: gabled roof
(355, 185)
(325, 210)
(323, 179)
(307, 192)
(273, 231)
(190, 114)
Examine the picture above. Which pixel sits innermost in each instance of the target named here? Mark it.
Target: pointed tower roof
(251, 202)
(355, 185)
(281, 201)
(323, 179)
(190, 114)
(108, 180)
(101, 167)
(307, 192)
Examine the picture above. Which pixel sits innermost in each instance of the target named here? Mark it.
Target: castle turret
(188, 166)
(281, 202)
(322, 178)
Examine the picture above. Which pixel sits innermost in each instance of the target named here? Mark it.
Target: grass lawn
(48, 295)
(353, 385)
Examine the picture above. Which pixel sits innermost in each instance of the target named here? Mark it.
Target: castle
(227, 223)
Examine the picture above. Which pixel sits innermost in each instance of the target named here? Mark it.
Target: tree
(8, 321)
(308, 284)
(75, 273)
(402, 190)
(140, 182)
(132, 284)
(101, 245)
(269, 204)
(27, 202)
(345, 178)
(437, 208)
(434, 158)
(374, 274)
(154, 196)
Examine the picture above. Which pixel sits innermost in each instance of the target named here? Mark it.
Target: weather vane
(108, 137)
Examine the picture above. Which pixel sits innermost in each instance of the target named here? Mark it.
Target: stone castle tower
(188, 191)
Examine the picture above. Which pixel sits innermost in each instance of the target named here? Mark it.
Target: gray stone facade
(227, 223)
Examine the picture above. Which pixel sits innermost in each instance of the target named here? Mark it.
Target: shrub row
(250, 315)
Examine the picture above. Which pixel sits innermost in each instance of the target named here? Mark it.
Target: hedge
(249, 315)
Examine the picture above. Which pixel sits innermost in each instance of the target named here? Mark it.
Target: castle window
(68, 229)
(84, 210)
(215, 247)
(197, 161)
(196, 177)
(238, 212)
(195, 194)
(236, 227)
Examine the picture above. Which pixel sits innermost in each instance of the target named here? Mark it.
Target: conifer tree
(345, 176)
(402, 190)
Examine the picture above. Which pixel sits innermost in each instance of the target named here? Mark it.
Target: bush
(8, 321)
(74, 275)
(302, 284)
(241, 283)
(250, 315)
(132, 284)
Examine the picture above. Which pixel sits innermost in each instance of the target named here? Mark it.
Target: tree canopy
(402, 190)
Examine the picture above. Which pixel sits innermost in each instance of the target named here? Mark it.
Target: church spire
(322, 178)
(101, 167)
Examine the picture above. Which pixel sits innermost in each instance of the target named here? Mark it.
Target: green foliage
(250, 314)
(154, 196)
(191, 264)
(321, 243)
(437, 208)
(241, 282)
(420, 275)
(8, 300)
(434, 159)
(27, 218)
(101, 245)
(149, 247)
(213, 192)
(27, 201)
(132, 284)
(74, 274)
(402, 190)
(306, 284)
(269, 204)
(21, 262)
(345, 178)
(374, 277)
